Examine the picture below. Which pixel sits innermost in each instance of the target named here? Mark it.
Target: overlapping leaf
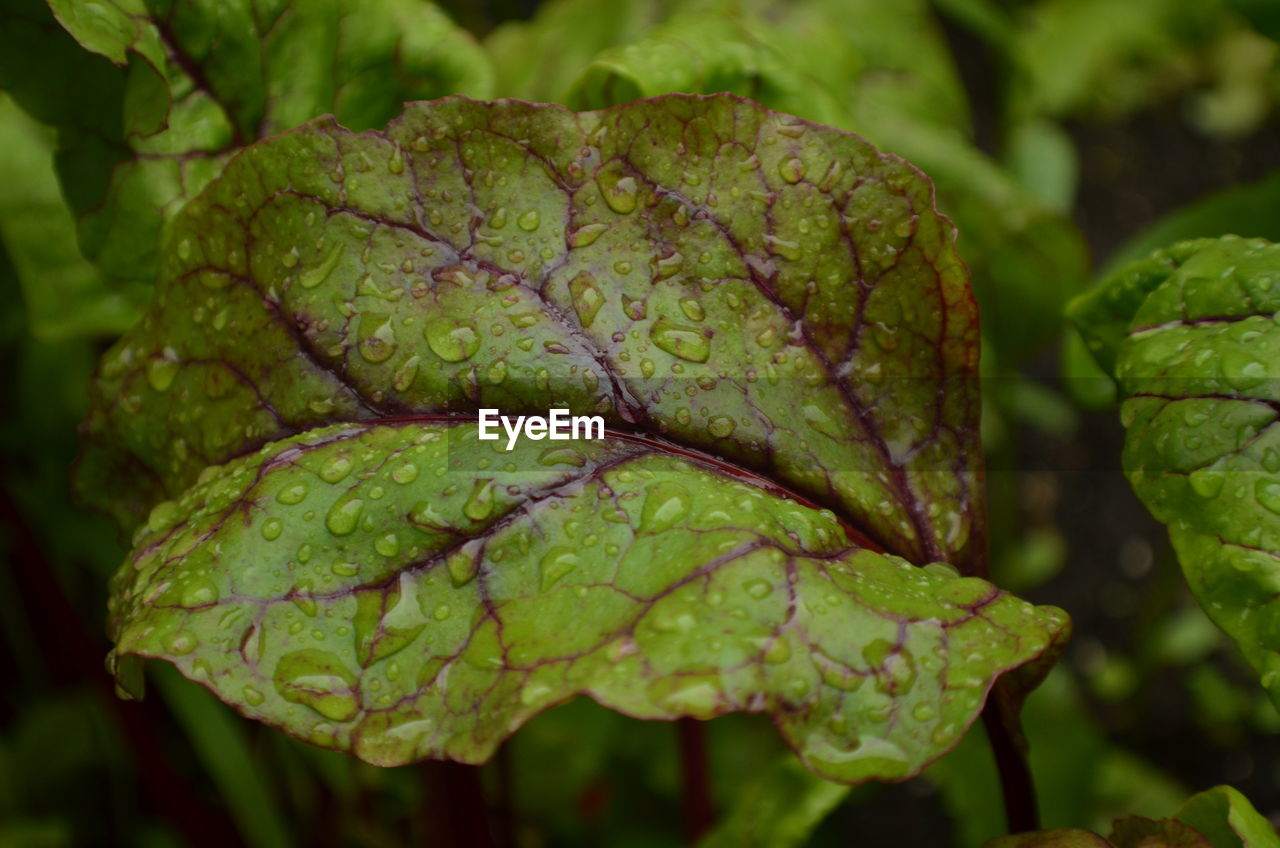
(1196, 358)
(395, 590)
(153, 96)
(769, 315)
(698, 267)
(880, 69)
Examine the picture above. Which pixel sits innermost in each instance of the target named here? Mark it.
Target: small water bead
(479, 503)
(586, 235)
(692, 309)
(387, 545)
(620, 192)
(319, 680)
(199, 592)
(343, 516)
(792, 170)
(272, 528)
(290, 259)
(529, 221)
(450, 339)
(161, 372)
(587, 298)
(721, 426)
(556, 564)
(181, 643)
(404, 473)
(758, 589)
(1267, 493)
(377, 338)
(688, 343)
(335, 469)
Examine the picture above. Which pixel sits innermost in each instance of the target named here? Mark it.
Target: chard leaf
(1196, 360)
(157, 94)
(394, 590)
(768, 314)
(734, 279)
(879, 69)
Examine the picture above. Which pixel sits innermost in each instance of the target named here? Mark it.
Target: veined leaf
(880, 69)
(1196, 360)
(768, 314)
(157, 94)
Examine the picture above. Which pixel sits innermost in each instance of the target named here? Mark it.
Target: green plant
(320, 265)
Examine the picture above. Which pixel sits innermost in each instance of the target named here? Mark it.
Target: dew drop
(387, 545)
(692, 309)
(451, 340)
(529, 221)
(665, 503)
(199, 592)
(377, 339)
(272, 528)
(294, 494)
(1268, 494)
(587, 298)
(479, 503)
(688, 343)
(160, 373)
(313, 277)
(319, 680)
(335, 469)
(721, 426)
(586, 235)
(405, 473)
(343, 516)
(620, 193)
(181, 643)
(792, 170)
(555, 564)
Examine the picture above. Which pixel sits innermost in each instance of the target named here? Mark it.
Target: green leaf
(1216, 818)
(597, 274)
(1200, 449)
(768, 315)
(64, 295)
(876, 68)
(1228, 819)
(779, 809)
(429, 619)
(171, 88)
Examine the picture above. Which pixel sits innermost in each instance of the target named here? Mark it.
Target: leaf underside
(769, 316)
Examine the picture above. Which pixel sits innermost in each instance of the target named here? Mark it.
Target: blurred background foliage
(1065, 136)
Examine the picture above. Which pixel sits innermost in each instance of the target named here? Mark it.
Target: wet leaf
(767, 314)
(880, 69)
(152, 97)
(1196, 358)
(397, 621)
